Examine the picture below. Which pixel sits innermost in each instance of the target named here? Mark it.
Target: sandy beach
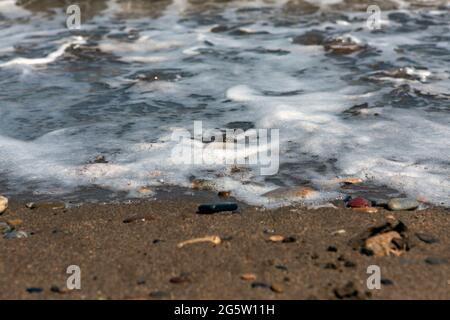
(129, 251)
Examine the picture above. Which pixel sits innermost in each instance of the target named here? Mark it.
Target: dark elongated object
(217, 207)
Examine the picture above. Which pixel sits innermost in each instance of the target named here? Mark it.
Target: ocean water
(138, 71)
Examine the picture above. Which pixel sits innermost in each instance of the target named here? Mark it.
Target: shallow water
(138, 70)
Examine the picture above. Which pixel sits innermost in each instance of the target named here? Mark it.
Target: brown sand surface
(138, 259)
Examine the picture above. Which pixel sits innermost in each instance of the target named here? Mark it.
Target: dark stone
(34, 290)
(255, 285)
(332, 249)
(386, 282)
(219, 29)
(289, 240)
(281, 267)
(218, 207)
(330, 266)
(349, 264)
(179, 280)
(427, 238)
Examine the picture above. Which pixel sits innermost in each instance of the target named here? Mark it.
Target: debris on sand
(3, 204)
(383, 240)
(213, 239)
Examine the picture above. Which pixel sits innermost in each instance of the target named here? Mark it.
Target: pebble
(144, 190)
(276, 238)
(224, 194)
(255, 285)
(179, 280)
(427, 238)
(34, 290)
(248, 276)
(15, 234)
(397, 204)
(3, 204)
(276, 288)
(358, 202)
(217, 207)
(291, 192)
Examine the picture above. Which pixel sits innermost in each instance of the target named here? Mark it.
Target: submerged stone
(398, 204)
(310, 38)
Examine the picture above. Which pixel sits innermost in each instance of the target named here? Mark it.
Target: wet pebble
(3, 204)
(398, 204)
(358, 202)
(34, 290)
(217, 207)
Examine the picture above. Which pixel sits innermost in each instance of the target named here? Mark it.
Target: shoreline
(131, 251)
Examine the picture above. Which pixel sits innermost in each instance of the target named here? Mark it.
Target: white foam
(45, 60)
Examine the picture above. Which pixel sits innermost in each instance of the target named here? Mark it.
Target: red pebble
(358, 202)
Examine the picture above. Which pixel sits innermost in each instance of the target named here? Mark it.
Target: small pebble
(248, 276)
(179, 280)
(276, 238)
(255, 285)
(398, 204)
(386, 282)
(358, 202)
(332, 249)
(276, 288)
(34, 290)
(224, 194)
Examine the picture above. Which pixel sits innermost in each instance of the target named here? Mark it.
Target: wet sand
(139, 258)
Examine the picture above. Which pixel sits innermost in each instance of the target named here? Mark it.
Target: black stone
(218, 207)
